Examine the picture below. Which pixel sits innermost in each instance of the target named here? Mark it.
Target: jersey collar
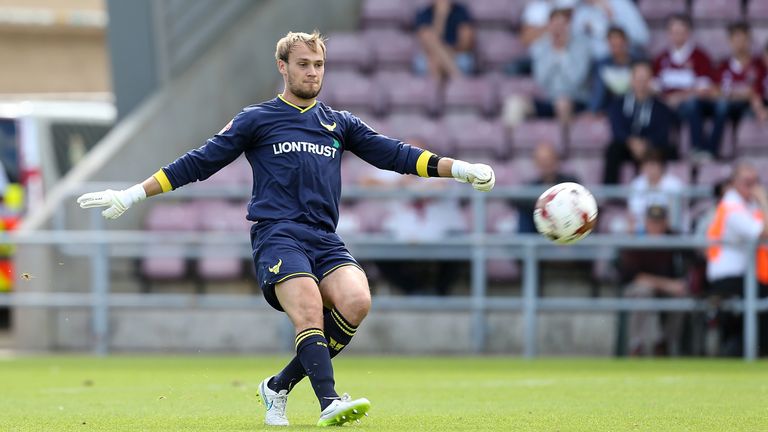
(300, 109)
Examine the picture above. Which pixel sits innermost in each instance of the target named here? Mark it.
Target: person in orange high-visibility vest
(739, 220)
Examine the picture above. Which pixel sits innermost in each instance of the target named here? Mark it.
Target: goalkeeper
(294, 145)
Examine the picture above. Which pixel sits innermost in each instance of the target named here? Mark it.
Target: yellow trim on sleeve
(301, 110)
(162, 178)
(421, 163)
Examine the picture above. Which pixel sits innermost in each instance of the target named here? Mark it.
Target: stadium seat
(348, 51)
(495, 13)
(589, 135)
(220, 261)
(588, 171)
(471, 94)
(713, 172)
(757, 11)
(352, 91)
(515, 172)
(430, 133)
(496, 48)
(353, 169)
(391, 13)
(371, 214)
(680, 169)
(508, 86)
(614, 220)
(403, 91)
(167, 261)
(657, 11)
(392, 49)
(714, 41)
(750, 137)
(526, 135)
(658, 42)
(717, 11)
(474, 137)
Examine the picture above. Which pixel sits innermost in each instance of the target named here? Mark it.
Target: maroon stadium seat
(348, 51)
(415, 127)
(659, 10)
(221, 261)
(721, 11)
(501, 271)
(713, 172)
(390, 13)
(508, 86)
(471, 94)
(474, 136)
(392, 49)
(589, 135)
(497, 13)
(526, 135)
(750, 137)
(406, 92)
(757, 10)
(495, 48)
(588, 171)
(167, 261)
(352, 91)
(714, 41)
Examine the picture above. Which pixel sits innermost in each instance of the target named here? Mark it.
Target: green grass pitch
(124, 393)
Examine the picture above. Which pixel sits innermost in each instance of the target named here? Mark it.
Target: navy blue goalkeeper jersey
(295, 154)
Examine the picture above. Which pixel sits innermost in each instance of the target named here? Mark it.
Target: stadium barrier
(99, 245)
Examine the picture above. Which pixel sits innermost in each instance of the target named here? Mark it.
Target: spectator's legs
(439, 54)
(643, 325)
(615, 155)
(564, 109)
(689, 112)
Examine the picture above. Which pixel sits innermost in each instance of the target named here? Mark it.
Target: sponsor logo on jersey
(330, 127)
(301, 146)
(276, 268)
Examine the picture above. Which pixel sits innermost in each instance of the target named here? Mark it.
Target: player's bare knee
(355, 306)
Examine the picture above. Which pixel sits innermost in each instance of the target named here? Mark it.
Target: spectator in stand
(684, 75)
(561, 65)
(654, 186)
(547, 162)
(447, 36)
(593, 18)
(639, 122)
(760, 101)
(612, 74)
(654, 273)
(739, 81)
(741, 218)
(534, 22)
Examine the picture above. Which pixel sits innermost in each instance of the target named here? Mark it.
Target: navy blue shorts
(285, 249)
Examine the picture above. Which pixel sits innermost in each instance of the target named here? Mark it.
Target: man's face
(303, 73)
(641, 78)
(745, 180)
(559, 25)
(740, 42)
(678, 33)
(656, 225)
(617, 45)
(547, 162)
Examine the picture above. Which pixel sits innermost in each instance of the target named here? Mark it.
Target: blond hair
(314, 42)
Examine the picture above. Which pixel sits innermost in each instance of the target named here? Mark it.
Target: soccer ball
(565, 213)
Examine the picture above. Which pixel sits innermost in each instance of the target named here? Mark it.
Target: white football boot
(275, 403)
(343, 410)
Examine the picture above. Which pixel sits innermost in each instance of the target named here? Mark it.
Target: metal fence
(99, 245)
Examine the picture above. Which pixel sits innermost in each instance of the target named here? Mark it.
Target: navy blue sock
(312, 351)
(338, 334)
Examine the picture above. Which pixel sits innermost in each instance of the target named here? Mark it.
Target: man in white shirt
(740, 220)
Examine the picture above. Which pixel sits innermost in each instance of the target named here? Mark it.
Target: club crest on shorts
(276, 268)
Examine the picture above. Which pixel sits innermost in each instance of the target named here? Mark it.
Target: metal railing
(478, 246)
